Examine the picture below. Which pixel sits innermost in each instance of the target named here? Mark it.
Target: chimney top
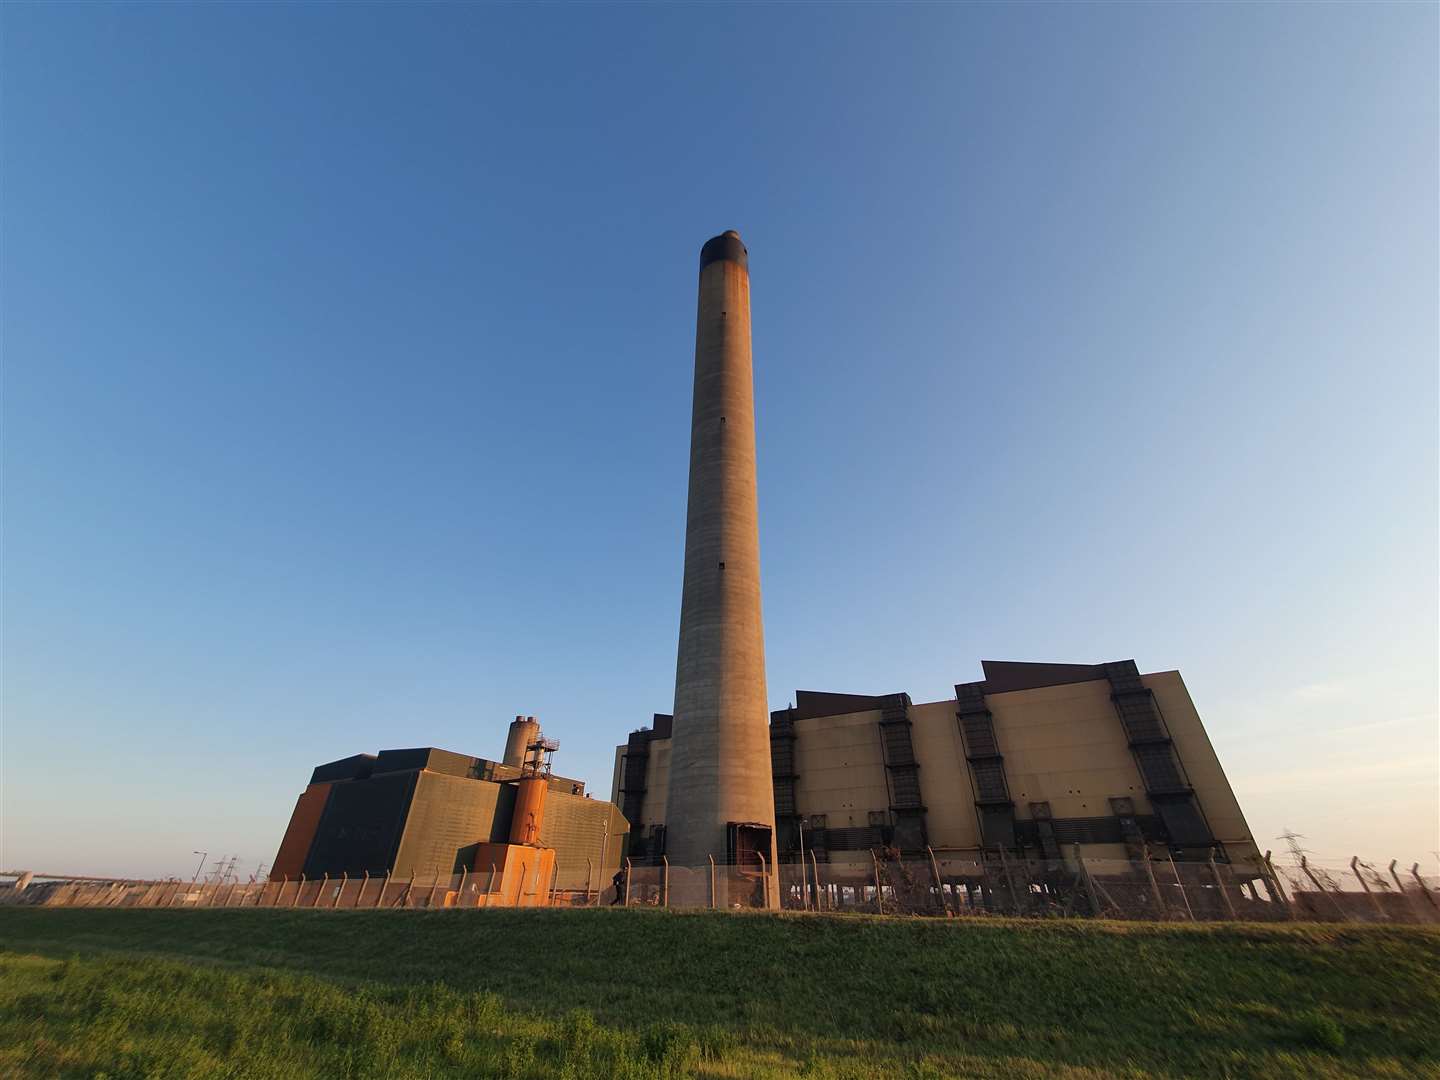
(726, 246)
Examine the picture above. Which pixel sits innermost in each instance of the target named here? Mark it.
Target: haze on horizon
(347, 367)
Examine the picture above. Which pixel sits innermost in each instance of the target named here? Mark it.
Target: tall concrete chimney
(721, 800)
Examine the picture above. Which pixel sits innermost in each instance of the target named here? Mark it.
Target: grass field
(574, 994)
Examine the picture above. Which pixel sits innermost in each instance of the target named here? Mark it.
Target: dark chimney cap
(725, 246)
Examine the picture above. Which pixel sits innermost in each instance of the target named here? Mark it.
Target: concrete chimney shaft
(524, 730)
(720, 749)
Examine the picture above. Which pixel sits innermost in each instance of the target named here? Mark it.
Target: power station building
(425, 811)
(1034, 761)
(1030, 761)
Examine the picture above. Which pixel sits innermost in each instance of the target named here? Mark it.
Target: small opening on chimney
(722, 566)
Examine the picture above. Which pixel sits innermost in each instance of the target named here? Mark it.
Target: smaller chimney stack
(524, 731)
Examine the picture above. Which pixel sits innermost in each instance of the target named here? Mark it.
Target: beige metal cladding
(524, 730)
(720, 764)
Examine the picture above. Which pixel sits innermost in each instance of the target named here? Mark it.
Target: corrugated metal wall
(449, 815)
(577, 828)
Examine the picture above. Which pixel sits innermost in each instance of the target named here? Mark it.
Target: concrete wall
(1062, 744)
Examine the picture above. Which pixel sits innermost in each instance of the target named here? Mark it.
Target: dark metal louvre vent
(1160, 769)
(994, 807)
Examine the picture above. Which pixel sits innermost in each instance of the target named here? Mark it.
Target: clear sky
(347, 365)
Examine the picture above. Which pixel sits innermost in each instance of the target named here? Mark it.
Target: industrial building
(1028, 762)
(427, 811)
(1039, 762)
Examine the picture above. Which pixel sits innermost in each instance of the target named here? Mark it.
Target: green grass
(650, 993)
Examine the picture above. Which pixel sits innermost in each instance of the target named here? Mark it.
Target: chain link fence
(884, 881)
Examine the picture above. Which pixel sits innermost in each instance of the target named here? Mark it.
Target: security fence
(883, 881)
(436, 890)
(1159, 887)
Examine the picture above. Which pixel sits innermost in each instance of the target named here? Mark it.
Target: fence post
(879, 907)
(1176, 871)
(460, 892)
(815, 864)
(1009, 881)
(589, 874)
(1089, 885)
(323, 882)
(1154, 886)
(384, 884)
(1272, 882)
(1374, 900)
(1220, 884)
(344, 878)
(434, 888)
(1305, 866)
(664, 881)
(1424, 889)
(765, 879)
(1408, 897)
(712, 881)
(490, 886)
(939, 885)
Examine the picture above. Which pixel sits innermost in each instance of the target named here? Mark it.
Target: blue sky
(347, 358)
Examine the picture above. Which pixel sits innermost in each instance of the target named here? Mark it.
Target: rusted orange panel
(290, 859)
(529, 810)
(513, 875)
